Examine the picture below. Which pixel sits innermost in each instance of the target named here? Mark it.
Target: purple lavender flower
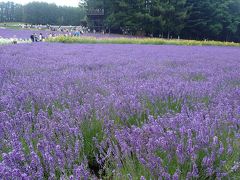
(161, 107)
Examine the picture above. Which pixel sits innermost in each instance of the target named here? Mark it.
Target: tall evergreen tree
(212, 19)
(144, 16)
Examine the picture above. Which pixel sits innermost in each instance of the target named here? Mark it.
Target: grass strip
(152, 41)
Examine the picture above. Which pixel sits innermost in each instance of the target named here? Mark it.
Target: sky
(58, 2)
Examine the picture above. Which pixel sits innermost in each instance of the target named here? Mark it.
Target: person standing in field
(32, 37)
(40, 38)
(35, 38)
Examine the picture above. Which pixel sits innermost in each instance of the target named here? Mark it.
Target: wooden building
(95, 19)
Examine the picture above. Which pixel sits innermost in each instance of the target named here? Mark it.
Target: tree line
(41, 13)
(190, 19)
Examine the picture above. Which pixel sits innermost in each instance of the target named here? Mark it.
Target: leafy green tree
(146, 17)
(10, 12)
(212, 19)
(44, 13)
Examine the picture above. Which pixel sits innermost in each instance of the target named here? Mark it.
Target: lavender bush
(119, 112)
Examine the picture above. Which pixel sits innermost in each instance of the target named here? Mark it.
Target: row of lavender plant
(119, 111)
(26, 33)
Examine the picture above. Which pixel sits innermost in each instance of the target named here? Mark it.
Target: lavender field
(71, 111)
(25, 34)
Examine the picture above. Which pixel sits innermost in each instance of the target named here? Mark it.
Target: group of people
(39, 38)
(36, 38)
